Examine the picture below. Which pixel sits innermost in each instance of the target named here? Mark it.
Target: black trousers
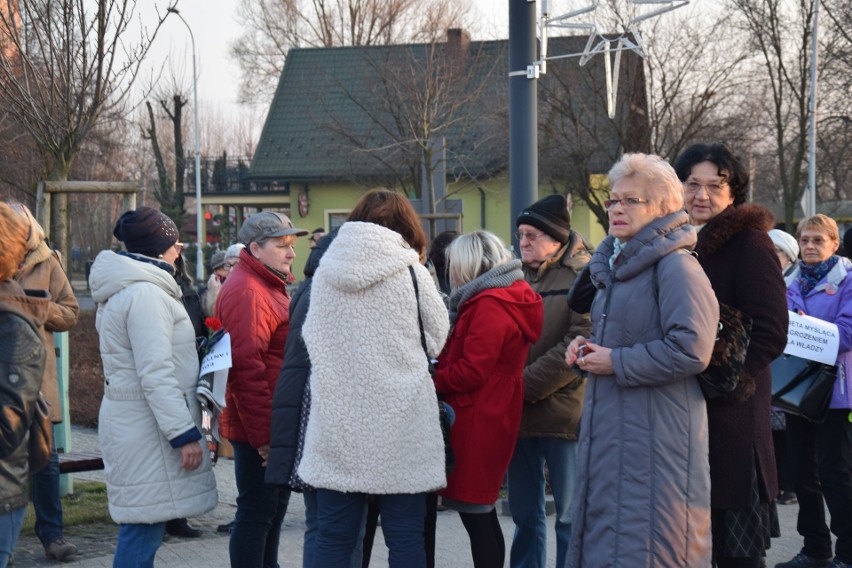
(822, 454)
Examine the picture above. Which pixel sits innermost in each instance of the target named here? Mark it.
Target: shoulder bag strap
(419, 317)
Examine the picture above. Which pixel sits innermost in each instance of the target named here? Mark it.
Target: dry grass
(86, 384)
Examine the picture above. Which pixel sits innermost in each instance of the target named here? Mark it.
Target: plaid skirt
(745, 533)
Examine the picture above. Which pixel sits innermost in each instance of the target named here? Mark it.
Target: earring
(160, 256)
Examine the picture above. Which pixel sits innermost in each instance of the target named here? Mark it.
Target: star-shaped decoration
(629, 40)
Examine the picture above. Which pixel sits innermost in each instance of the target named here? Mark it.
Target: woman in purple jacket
(821, 287)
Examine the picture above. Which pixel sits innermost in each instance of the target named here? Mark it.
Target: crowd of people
(402, 372)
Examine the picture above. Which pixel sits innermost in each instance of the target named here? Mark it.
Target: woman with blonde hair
(22, 359)
(643, 490)
(495, 317)
(821, 453)
(373, 427)
(42, 270)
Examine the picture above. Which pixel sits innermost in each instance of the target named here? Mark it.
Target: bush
(86, 380)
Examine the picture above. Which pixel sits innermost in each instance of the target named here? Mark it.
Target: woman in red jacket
(496, 316)
(254, 308)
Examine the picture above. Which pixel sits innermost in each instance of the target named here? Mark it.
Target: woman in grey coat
(643, 491)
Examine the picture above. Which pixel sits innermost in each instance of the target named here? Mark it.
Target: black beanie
(146, 231)
(549, 215)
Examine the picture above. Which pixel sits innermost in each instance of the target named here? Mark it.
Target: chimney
(458, 41)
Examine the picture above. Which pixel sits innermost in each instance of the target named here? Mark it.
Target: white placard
(218, 358)
(813, 339)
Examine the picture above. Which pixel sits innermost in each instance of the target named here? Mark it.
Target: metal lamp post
(199, 260)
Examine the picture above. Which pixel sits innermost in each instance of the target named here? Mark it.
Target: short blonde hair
(474, 254)
(659, 180)
(13, 235)
(819, 222)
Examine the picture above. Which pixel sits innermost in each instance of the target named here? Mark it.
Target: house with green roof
(431, 120)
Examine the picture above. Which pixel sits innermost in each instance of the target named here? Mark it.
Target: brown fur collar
(730, 223)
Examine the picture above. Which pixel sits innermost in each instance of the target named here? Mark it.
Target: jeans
(340, 518)
(526, 498)
(260, 512)
(137, 545)
(46, 502)
(309, 549)
(823, 457)
(10, 529)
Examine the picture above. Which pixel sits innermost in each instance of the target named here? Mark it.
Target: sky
(214, 25)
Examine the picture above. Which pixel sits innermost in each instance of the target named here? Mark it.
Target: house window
(335, 217)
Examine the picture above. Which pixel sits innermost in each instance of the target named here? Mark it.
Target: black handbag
(724, 373)
(802, 387)
(443, 415)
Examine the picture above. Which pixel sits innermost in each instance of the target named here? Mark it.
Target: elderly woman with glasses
(643, 489)
(821, 287)
(739, 259)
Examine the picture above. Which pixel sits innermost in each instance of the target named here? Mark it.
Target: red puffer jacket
(481, 375)
(255, 309)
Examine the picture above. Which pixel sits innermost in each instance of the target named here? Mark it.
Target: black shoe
(181, 527)
(225, 528)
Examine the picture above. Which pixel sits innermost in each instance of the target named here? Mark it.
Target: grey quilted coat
(643, 491)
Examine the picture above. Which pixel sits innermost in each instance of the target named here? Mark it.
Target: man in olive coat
(552, 255)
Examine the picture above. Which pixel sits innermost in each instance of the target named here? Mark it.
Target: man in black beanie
(552, 255)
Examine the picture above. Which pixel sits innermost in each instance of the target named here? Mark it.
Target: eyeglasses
(715, 188)
(531, 237)
(179, 246)
(626, 202)
(816, 241)
(230, 265)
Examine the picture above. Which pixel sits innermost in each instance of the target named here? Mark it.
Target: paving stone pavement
(97, 544)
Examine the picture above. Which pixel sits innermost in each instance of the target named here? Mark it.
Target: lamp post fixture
(199, 256)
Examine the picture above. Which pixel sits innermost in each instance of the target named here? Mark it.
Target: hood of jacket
(364, 254)
(522, 305)
(731, 222)
(112, 273)
(31, 305)
(654, 241)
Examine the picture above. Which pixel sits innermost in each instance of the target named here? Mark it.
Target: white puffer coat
(374, 413)
(151, 369)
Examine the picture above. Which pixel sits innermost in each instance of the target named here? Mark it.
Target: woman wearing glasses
(149, 418)
(643, 491)
(820, 286)
(739, 259)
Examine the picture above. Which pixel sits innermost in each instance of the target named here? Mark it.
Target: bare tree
(65, 66)
(781, 35)
(272, 27)
(419, 99)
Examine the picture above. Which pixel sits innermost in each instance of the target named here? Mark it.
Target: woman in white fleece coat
(373, 427)
(148, 424)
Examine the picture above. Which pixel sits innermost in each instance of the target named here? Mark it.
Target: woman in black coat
(740, 261)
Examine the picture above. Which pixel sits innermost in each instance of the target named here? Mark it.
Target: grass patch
(86, 506)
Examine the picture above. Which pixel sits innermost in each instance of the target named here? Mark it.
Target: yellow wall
(328, 199)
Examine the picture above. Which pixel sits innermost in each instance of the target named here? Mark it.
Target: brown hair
(392, 211)
(13, 235)
(821, 223)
